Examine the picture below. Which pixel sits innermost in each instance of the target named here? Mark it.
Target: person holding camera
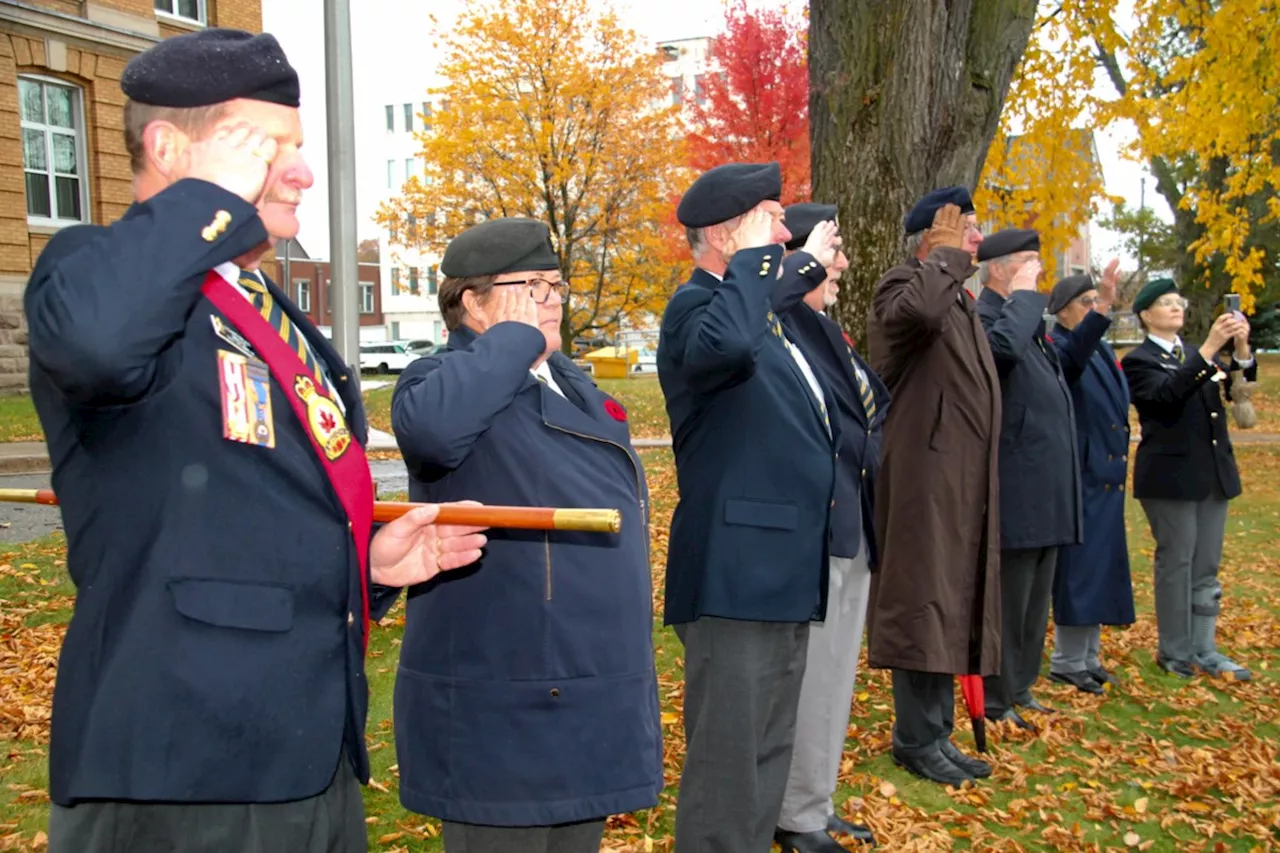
(1185, 471)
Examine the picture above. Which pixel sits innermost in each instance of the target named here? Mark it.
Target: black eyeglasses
(540, 288)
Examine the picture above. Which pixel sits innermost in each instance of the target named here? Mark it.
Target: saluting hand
(1026, 276)
(513, 303)
(754, 230)
(823, 243)
(1107, 287)
(235, 157)
(413, 549)
(947, 228)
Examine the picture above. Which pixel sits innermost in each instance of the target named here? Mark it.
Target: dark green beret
(1067, 289)
(1010, 241)
(729, 191)
(801, 219)
(500, 246)
(1151, 291)
(210, 67)
(921, 215)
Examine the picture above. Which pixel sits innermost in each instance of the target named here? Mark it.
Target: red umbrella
(974, 699)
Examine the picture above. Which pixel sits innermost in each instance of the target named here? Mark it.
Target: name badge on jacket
(245, 384)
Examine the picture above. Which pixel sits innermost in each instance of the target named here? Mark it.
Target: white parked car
(386, 357)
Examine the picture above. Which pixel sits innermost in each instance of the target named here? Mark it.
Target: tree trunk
(904, 97)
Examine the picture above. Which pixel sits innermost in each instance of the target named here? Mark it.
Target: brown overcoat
(935, 599)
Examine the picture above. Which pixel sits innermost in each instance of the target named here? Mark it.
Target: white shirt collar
(543, 372)
(1166, 345)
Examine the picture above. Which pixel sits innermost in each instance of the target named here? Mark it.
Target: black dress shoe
(856, 831)
(1101, 676)
(1011, 716)
(1033, 705)
(933, 766)
(1082, 681)
(975, 767)
(1180, 668)
(808, 842)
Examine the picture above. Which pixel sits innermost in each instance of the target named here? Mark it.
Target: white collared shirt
(543, 372)
(1168, 346)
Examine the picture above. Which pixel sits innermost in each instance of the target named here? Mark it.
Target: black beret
(921, 216)
(1008, 242)
(801, 219)
(1151, 291)
(500, 246)
(728, 191)
(1067, 289)
(210, 67)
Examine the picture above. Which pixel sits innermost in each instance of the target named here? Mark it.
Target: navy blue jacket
(1185, 453)
(754, 462)
(216, 650)
(1092, 585)
(829, 352)
(1040, 503)
(527, 694)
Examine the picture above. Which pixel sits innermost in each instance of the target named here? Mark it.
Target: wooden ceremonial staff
(520, 517)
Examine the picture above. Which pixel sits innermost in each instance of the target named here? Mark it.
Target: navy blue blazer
(830, 352)
(1092, 584)
(1185, 453)
(754, 462)
(527, 693)
(216, 650)
(1040, 499)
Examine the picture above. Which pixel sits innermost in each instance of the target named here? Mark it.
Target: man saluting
(207, 448)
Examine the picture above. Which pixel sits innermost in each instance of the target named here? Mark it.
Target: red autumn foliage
(757, 108)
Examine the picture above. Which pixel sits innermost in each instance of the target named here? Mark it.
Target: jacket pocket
(749, 513)
(234, 604)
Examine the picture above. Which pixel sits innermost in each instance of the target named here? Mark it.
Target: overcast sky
(394, 61)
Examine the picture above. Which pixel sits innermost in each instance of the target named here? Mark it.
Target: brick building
(311, 287)
(62, 155)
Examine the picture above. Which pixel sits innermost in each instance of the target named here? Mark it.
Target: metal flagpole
(342, 182)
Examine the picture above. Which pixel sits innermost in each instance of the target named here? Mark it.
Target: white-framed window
(432, 279)
(302, 294)
(426, 115)
(395, 280)
(435, 327)
(1076, 269)
(53, 151)
(191, 10)
(413, 280)
(391, 174)
(366, 297)
(391, 118)
(409, 169)
(408, 118)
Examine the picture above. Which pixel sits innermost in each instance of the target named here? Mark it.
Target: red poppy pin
(615, 410)
(848, 340)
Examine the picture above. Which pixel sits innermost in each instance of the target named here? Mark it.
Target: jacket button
(1107, 487)
(555, 691)
(1113, 426)
(351, 618)
(1213, 414)
(1120, 487)
(864, 473)
(1215, 442)
(1110, 457)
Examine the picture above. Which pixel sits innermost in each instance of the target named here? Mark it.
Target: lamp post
(342, 182)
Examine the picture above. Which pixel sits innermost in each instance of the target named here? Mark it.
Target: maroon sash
(341, 455)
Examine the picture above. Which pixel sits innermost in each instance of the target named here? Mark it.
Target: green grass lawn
(1157, 764)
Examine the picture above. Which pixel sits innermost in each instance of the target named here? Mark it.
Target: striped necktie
(1177, 352)
(274, 314)
(864, 391)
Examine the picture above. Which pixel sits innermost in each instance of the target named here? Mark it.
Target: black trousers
(923, 711)
(741, 697)
(1026, 592)
(569, 838)
(331, 822)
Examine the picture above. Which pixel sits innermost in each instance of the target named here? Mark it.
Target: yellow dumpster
(612, 362)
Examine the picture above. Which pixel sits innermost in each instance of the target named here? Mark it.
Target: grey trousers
(742, 689)
(826, 695)
(1188, 538)
(331, 822)
(924, 706)
(1026, 592)
(569, 838)
(1075, 648)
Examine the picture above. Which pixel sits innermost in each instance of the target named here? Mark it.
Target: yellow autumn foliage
(554, 111)
(1200, 82)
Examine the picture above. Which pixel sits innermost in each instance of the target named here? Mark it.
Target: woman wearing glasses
(526, 705)
(1185, 471)
(1092, 587)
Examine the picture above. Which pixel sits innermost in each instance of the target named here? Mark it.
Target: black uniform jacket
(216, 649)
(1185, 453)
(831, 353)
